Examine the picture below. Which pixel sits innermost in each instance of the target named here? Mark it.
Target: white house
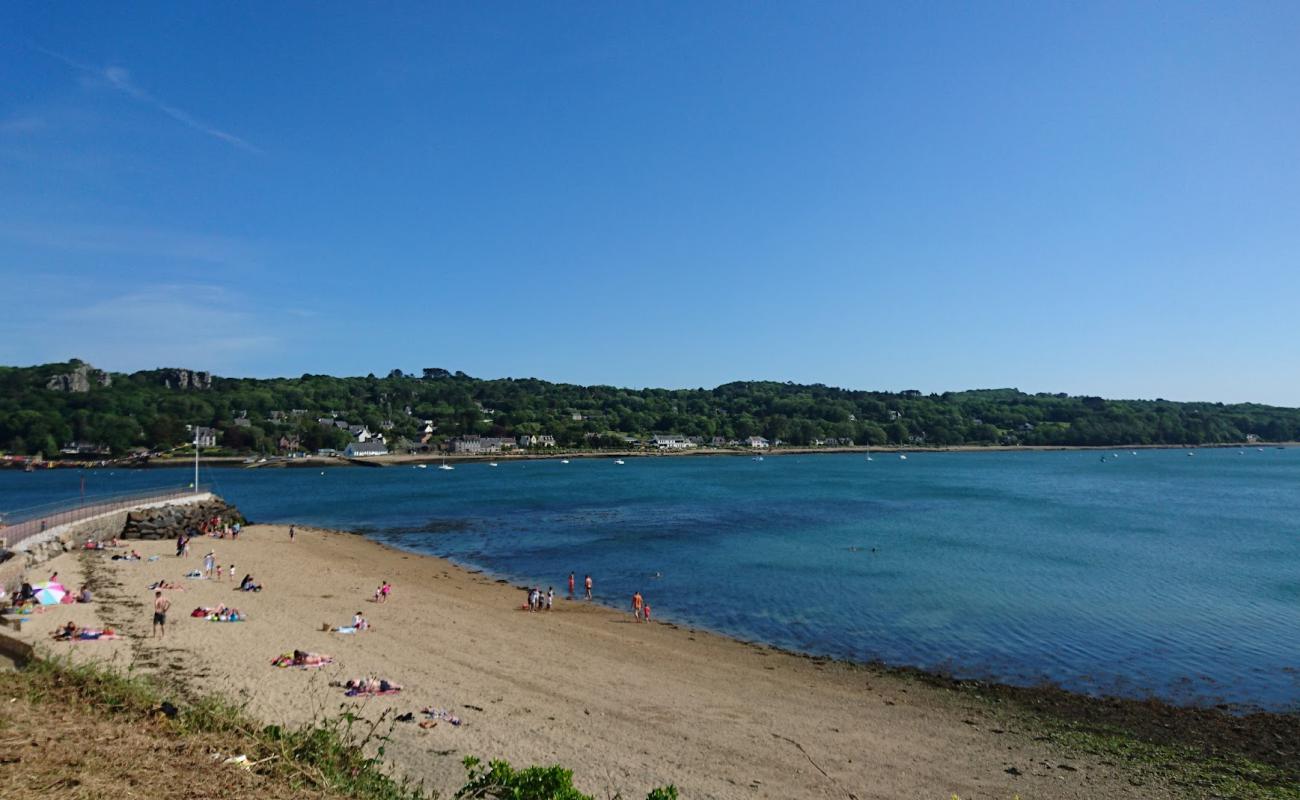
(758, 441)
(671, 441)
(207, 437)
(364, 449)
(536, 441)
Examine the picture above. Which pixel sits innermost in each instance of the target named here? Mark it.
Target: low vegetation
(92, 731)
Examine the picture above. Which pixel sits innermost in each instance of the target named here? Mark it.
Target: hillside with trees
(45, 408)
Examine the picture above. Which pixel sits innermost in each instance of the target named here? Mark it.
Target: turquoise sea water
(1149, 574)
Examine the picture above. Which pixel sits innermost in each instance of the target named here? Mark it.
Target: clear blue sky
(1083, 197)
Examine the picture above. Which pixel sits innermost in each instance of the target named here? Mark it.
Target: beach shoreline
(626, 706)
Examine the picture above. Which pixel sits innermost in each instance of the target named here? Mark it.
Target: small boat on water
(618, 461)
(564, 460)
(902, 456)
(492, 464)
(758, 458)
(446, 466)
(420, 466)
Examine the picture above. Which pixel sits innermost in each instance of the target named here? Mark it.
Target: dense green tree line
(140, 410)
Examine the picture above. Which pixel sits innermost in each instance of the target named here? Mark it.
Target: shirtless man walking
(160, 606)
(587, 586)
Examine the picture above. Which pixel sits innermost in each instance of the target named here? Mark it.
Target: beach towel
(441, 714)
(240, 618)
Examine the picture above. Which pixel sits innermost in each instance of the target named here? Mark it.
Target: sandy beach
(627, 706)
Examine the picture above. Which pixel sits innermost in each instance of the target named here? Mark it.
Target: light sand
(627, 706)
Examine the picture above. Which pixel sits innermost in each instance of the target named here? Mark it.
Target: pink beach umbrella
(49, 594)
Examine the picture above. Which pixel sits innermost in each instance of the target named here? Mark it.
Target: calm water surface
(1149, 574)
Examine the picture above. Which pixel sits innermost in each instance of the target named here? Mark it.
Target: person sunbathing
(370, 686)
(66, 632)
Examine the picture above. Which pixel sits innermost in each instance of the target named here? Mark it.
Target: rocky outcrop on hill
(80, 379)
(186, 379)
(168, 522)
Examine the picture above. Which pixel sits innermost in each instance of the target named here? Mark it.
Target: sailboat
(445, 465)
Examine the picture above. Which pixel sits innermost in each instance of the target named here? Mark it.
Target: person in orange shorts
(636, 606)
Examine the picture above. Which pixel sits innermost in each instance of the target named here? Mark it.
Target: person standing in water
(587, 584)
(570, 585)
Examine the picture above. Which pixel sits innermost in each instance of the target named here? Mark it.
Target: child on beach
(218, 572)
(550, 597)
(645, 613)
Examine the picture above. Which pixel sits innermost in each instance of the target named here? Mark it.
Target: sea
(1171, 574)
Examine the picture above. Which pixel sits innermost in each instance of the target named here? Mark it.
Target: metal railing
(15, 526)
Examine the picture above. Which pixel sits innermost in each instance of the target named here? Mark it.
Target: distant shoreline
(280, 462)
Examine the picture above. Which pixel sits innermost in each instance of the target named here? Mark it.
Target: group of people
(212, 569)
(539, 601)
(381, 593)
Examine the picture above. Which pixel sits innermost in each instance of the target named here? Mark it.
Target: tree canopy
(147, 409)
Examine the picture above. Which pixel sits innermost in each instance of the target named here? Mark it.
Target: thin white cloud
(119, 79)
(126, 240)
(198, 326)
(24, 124)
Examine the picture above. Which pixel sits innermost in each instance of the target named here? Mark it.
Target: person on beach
(160, 606)
(180, 545)
(645, 613)
(290, 534)
(587, 583)
(209, 564)
(384, 589)
(636, 605)
(218, 572)
(550, 597)
(570, 585)
(232, 572)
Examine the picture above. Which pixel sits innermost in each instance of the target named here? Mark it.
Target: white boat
(421, 466)
(618, 461)
(492, 464)
(902, 456)
(564, 460)
(758, 458)
(445, 465)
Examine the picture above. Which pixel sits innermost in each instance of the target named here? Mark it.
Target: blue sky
(1085, 197)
